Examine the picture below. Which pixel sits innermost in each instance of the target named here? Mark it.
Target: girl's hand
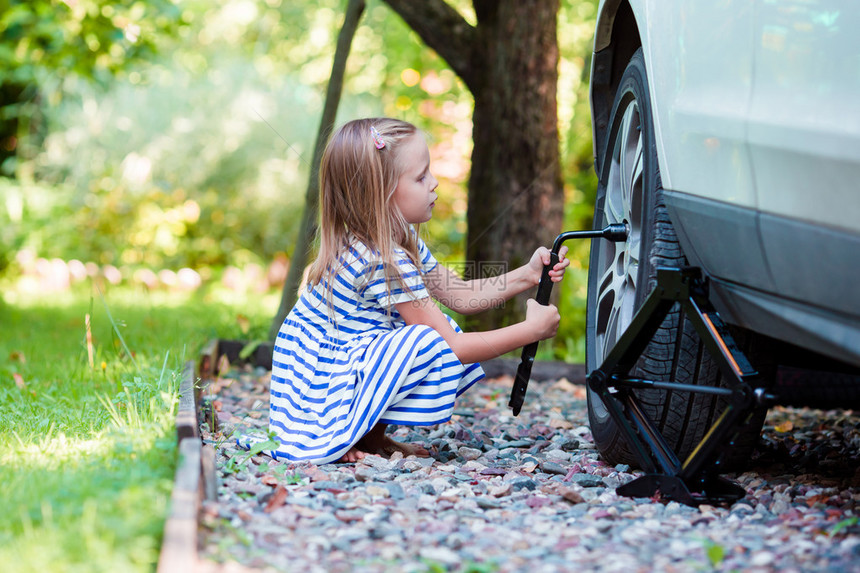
(541, 258)
(544, 319)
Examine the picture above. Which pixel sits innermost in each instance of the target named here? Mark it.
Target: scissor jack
(696, 480)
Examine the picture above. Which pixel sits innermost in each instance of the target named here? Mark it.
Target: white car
(727, 137)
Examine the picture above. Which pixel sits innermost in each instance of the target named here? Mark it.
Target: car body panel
(814, 264)
(700, 103)
(705, 222)
(808, 327)
(804, 118)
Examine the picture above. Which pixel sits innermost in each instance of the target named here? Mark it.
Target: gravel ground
(524, 494)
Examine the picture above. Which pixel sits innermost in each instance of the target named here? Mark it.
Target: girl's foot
(352, 456)
(389, 446)
(377, 442)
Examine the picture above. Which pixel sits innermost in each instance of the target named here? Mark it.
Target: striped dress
(335, 379)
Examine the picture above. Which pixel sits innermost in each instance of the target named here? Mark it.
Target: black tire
(622, 274)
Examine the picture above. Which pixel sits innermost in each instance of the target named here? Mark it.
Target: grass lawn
(87, 446)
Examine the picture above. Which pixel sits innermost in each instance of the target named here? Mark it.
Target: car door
(701, 56)
(804, 141)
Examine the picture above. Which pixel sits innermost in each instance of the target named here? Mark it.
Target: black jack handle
(616, 232)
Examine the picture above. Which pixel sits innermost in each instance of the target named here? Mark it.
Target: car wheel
(621, 275)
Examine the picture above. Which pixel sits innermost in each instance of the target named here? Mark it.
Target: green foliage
(47, 44)
(87, 453)
(95, 504)
(714, 552)
(575, 32)
(90, 38)
(844, 524)
(217, 175)
(195, 151)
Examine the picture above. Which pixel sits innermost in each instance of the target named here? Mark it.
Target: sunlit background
(167, 143)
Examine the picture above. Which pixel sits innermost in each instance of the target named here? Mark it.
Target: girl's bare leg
(377, 442)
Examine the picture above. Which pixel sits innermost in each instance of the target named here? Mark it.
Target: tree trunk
(509, 61)
(11, 95)
(308, 228)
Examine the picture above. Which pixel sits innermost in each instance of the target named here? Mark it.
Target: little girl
(365, 345)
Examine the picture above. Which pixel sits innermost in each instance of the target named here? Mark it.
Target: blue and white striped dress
(335, 379)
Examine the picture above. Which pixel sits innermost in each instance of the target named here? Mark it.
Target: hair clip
(377, 139)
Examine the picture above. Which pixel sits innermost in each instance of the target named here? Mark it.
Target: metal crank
(616, 232)
(697, 479)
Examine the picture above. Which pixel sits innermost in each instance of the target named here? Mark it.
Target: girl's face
(415, 192)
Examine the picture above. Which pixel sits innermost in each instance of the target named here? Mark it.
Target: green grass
(87, 454)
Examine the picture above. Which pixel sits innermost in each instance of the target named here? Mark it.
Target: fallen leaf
(786, 426)
(223, 365)
(269, 480)
(279, 497)
(812, 500)
(19, 381)
(17, 356)
(244, 323)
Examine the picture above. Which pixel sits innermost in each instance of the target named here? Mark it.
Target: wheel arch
(616, 39)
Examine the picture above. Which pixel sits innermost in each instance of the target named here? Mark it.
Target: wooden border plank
(210, 476)
(179, 548)
(208, 365)
(186, 415)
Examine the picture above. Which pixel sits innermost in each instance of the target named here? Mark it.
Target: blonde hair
(357, 182)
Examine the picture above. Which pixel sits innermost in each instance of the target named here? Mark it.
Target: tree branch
(301, 252)
(444, 30)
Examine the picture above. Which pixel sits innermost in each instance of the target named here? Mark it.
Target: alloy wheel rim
(618, 263)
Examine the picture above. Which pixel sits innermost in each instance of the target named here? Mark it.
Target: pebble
(552, 468)
(587, 480)
(558, 455)
(525, 494)
(522, 482)
(377, 491)
(469, 454)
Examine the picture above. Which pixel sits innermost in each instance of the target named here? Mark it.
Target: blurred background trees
(44, 43)
(509, 61)
(178, 133)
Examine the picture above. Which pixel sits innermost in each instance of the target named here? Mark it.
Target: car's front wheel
(621, 275)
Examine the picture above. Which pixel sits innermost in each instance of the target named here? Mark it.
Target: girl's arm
(541, 322)
(470, 297)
